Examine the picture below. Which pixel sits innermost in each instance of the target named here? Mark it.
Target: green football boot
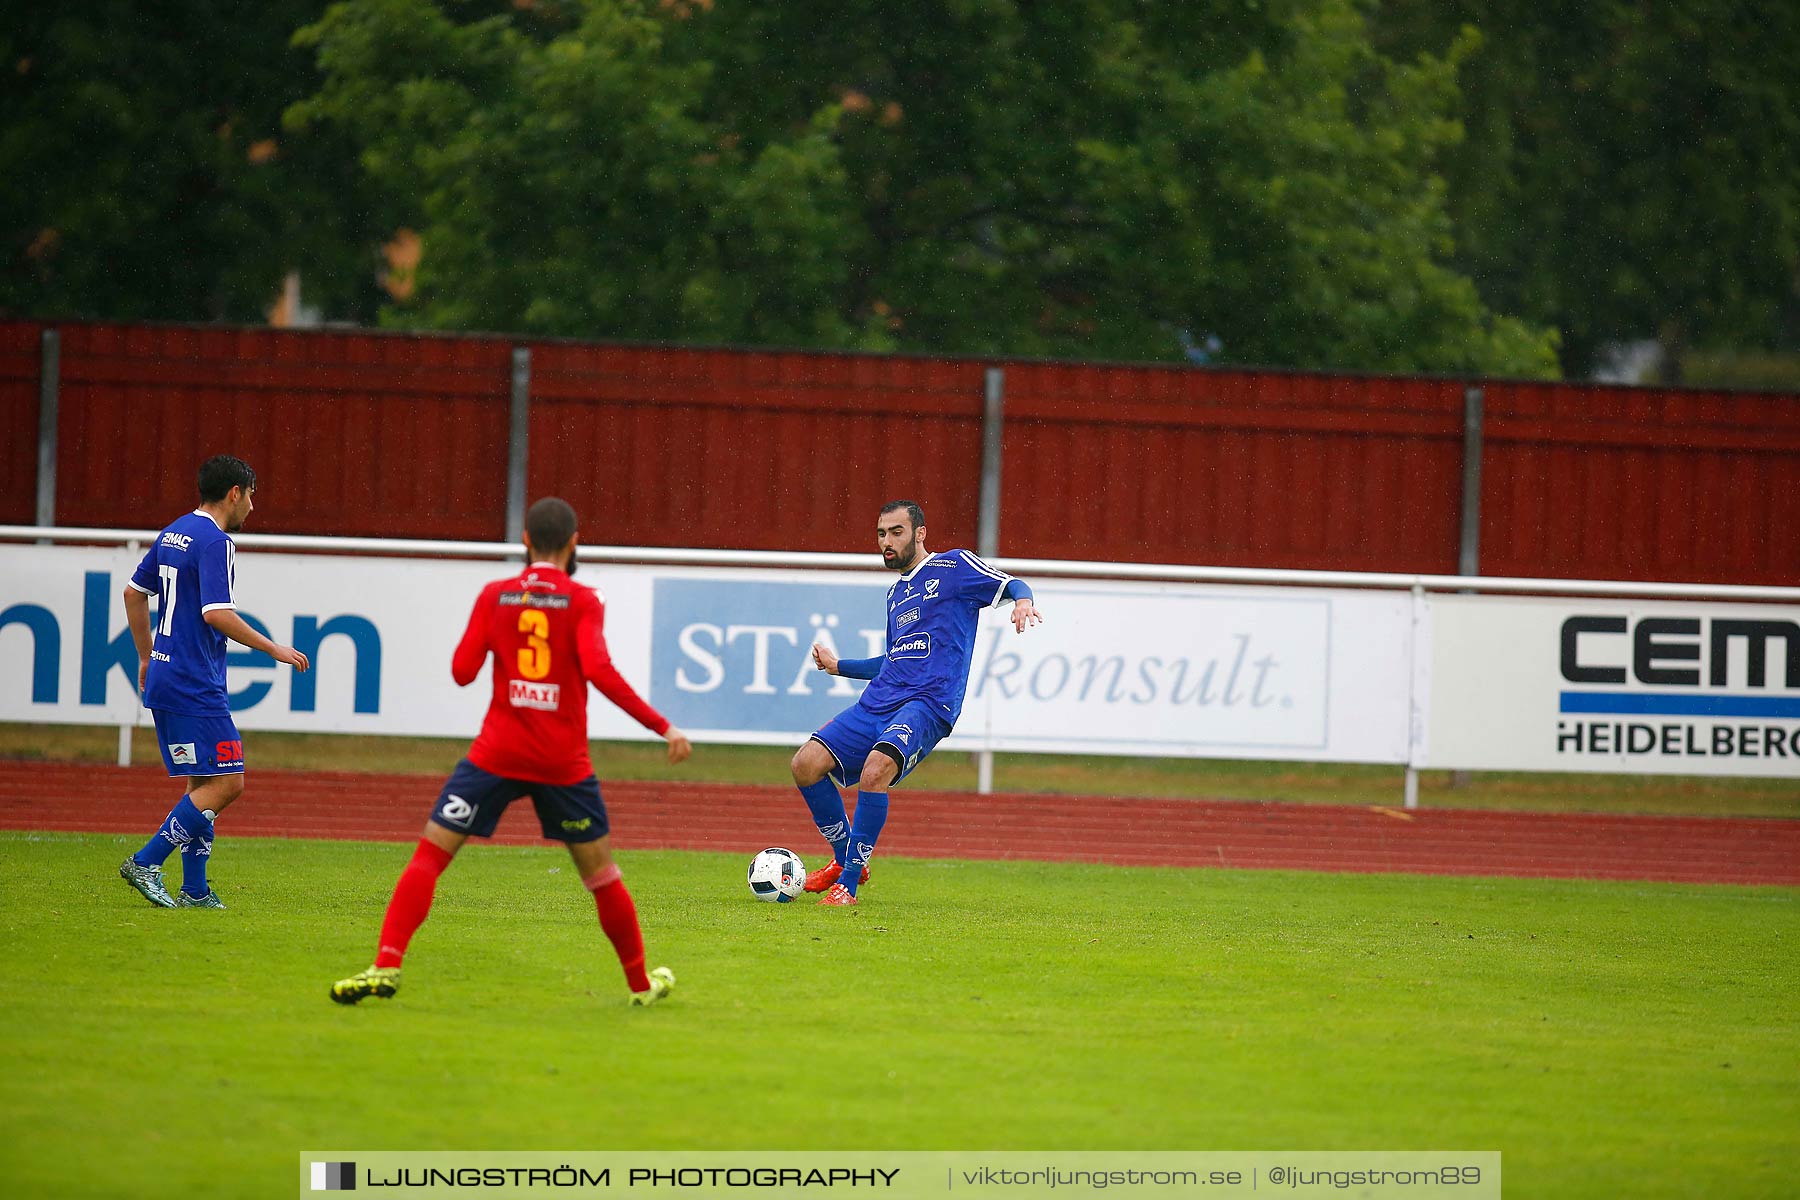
(662, 982)
(148, 882)
(376, 981)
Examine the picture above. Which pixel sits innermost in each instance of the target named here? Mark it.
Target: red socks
(618, 917)
(411, 902)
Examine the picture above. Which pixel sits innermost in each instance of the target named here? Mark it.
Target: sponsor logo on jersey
(229, 754)
(159, 656)
(456, 810)
(906, 618)
(179, 541)
(578, 826)
(916, 646)
(546, 697)
(532, 600)
(182, 754)
(903, 732)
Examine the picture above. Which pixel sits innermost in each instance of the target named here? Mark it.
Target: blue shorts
(473, 799)
(199, 746)
(906, 735)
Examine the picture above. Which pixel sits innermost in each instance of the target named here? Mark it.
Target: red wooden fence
(379, 434)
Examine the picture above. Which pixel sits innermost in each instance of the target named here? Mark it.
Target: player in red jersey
(545, 634)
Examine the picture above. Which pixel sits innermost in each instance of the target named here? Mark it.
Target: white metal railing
(1171, 572)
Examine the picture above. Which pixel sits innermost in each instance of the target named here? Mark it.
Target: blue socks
(194, 857)
(828, 814)
(871, 815)
(185, 828)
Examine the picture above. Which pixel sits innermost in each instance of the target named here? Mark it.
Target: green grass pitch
(1609, 1039)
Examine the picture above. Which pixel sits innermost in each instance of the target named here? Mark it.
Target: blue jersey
(932, 614)
(192, 567)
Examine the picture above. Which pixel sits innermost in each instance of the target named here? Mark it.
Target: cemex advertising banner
(1613, 685)
(1116, 668)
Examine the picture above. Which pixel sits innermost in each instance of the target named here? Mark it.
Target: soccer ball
(777, 875)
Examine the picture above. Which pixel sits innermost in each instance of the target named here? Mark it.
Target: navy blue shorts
(473, 799)
(909, 733)
(199, 746)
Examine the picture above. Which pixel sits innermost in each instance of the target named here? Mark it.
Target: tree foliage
(1630, 170)
(1100, 178)
(144, 172)
(1392, 185)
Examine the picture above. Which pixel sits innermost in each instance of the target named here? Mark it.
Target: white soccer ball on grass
(777, 875)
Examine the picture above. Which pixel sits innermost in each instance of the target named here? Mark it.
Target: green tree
(1098, 178)
(1107, 178)
(143, 170)
(1630, 170)
(564, 182)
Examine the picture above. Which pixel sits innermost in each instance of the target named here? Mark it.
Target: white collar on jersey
(924, 558)
(201, 512)
(541, 563)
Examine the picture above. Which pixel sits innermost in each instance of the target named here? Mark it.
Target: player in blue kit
(192, 569)
(914, 696)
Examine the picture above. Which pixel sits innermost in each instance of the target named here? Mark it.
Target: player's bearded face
(899, 543)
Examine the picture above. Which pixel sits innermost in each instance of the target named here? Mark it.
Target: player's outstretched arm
(1024, 611)
(227, 622)
(850, 668)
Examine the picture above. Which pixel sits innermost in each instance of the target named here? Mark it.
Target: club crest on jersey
(546, 697)
(916, 646)
(931, 587)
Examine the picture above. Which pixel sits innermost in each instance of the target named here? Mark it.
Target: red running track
(1134, 832)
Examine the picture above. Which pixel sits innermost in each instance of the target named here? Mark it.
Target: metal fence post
(987, 536)
(1468, 559)
(131, 551)
(1420, 656)
(518, 443)
(49, 401)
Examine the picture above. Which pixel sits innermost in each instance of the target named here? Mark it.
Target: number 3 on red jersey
(534, 655)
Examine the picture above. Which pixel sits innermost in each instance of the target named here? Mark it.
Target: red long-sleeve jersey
(546, 635)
